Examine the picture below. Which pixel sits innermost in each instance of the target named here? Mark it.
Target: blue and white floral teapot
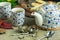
(48, 16)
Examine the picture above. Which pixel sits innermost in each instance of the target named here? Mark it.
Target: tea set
(7, 12)
(16, 15)
(48, 16)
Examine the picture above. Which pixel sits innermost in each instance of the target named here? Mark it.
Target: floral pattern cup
(18, 16)
(5, 9)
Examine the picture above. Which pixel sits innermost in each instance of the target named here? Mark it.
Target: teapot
(48, 16)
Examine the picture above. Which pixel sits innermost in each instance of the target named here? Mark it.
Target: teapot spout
(38, 18)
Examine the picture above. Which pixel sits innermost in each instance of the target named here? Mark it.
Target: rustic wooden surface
(11, 34)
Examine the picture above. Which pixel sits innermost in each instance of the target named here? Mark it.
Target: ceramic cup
(18, 16)
(5, 9)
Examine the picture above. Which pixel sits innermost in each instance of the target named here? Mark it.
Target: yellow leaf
(8, 0)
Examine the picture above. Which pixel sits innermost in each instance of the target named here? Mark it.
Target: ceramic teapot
(49, 20)
(48, 16)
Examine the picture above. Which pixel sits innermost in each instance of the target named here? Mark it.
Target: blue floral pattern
(6, 11)
(19, 17)
(52, 16)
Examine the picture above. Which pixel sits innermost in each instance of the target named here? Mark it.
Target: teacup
(5, 9)
(18, 15)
